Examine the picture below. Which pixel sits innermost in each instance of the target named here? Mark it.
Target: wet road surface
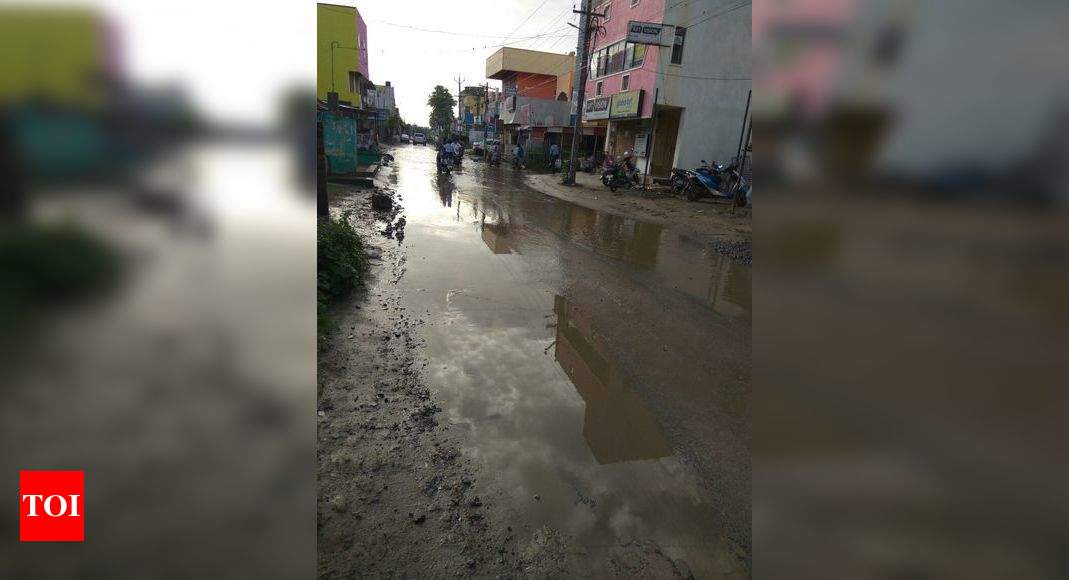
(598, 366)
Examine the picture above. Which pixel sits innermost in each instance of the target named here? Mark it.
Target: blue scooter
(717, 181)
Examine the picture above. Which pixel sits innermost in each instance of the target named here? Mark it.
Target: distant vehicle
(419, 138)
(405, 138)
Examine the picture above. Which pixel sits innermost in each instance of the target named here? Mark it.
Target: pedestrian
(554, 156)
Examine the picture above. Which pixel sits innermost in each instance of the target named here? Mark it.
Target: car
(405, 138)
(419, 138)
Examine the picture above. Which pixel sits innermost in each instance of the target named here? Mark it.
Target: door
(664, 141)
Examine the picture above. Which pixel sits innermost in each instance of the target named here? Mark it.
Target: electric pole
(581, 60)
(460, 100)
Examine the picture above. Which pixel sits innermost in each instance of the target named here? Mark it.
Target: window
(597, 89)
(639, 55)
(634, 3)
(617, 57)
(354, 82)
(677, 46)
(607, 11)
(625, 82)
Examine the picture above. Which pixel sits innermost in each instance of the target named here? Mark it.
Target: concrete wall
(538, 112)
(529, 61)
(714, 108)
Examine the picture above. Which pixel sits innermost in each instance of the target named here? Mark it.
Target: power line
(453, 33)
(551, 24)
(526, 19)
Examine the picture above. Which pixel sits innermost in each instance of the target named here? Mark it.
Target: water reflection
(616, 425)
(495, 232)
(673, 260)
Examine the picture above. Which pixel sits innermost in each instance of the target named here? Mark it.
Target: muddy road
(590, 372)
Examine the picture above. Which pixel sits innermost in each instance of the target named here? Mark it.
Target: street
(593, 370)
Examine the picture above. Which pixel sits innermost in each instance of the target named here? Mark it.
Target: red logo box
(51, 506)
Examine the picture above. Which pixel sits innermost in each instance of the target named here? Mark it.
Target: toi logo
(51, 506)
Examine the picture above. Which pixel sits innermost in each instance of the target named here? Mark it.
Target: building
(680, 99)
(532, 111)
(338, 50)
(349, 102)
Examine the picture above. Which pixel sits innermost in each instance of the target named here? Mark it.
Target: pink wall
(616, 30)
(361, 32)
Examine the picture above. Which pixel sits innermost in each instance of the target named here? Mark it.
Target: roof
(511, 60)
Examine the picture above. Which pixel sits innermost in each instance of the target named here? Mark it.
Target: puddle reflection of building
(716, 280)
(632, 241)
(616, 425)
(495, 236)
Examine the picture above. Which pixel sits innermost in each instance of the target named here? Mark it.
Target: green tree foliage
(442, 105)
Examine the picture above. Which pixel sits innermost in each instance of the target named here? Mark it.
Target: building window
(616, 58)
(607, 11)
(677, 46)
(597, 89)
(625, 82)
(634, 3)
(354, 82)
(638, 56)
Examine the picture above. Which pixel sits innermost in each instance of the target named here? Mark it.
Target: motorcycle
(589, 165)
(717, 181)
(617, 175)
(493, 158)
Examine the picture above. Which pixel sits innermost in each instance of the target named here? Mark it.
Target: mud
(491, 413)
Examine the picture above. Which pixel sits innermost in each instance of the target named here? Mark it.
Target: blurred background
(157, 272)
(157, 323)
(910, 284)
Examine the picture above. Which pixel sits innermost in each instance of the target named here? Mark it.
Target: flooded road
(598, 366)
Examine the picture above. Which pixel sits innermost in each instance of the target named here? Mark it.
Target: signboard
(641, 144)
(645, 32)
(596, 108)
(626, 105)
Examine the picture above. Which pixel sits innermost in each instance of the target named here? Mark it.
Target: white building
(703, 86)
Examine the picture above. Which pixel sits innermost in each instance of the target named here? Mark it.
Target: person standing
(554, 156)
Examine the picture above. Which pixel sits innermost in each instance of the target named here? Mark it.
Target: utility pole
(581, 60)
(460, 100)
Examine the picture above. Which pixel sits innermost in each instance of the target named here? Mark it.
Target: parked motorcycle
(617, 175)
(716, 181)
(493, 157)
(589, 165)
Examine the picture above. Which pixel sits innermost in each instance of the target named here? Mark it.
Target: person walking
(554, 157)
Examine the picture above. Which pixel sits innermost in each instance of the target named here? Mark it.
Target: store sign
(626, 105)
(596, 108)
(642, 143)
(645, 32)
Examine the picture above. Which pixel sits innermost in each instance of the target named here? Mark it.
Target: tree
(442, 104)
(395, 123)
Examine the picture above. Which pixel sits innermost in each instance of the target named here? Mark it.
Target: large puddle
(599, 364)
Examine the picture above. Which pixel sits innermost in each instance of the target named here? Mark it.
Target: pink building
(622, 77)
(683, 97)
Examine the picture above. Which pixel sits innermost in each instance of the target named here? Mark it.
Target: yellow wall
(336, 24)
(54, 54)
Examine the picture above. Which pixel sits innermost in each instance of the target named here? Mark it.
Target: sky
(235, 58)
(415, 61)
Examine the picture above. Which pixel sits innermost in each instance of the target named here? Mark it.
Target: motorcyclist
(445, 154)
